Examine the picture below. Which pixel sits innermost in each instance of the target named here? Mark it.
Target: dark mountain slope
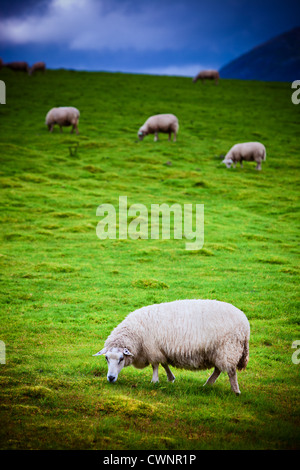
(275, 60)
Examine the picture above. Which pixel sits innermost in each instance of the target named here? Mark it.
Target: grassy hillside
(63, 289)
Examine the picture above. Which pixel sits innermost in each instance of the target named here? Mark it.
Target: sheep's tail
(242, 364)
(265, 155)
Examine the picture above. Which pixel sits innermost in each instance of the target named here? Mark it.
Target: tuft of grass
(149, 284)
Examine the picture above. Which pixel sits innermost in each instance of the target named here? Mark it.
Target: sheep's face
(116, 358)
(228, 162)
(141, 135)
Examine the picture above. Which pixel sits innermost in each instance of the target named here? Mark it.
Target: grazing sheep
(248, 151)
(18, 66)
(207, 75)
(188, 334)
(38, 66)
(63, 116)
(166, 123)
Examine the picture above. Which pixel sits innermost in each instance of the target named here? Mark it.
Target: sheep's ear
(100, 353)
(127, 352)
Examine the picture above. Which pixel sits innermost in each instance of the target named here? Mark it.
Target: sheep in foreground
(38, 66)
(248, 151)
(188, 334)
(63, 116)
(207, 75)
(166, 123)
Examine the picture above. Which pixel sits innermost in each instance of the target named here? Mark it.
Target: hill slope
(274, 60)
(63, 289)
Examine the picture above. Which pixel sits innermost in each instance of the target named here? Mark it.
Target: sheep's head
(116, 358)
(141, 134)
(228, 162)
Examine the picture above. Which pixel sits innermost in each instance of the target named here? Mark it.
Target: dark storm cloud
(164, 36)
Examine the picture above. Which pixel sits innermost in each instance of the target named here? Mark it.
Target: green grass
(63, 289)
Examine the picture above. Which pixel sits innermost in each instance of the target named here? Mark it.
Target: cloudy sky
(176, 37)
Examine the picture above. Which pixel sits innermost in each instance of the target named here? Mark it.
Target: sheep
(248, 151)
(38, 66)
(18, 66)
(188, 334)
(207, 75)
(63, 116)
(166, 123)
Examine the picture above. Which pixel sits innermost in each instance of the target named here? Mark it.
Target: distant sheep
(207, 75)
(248, 151)
(166, 123)
(38, 66)
(64, 117)
(188, 334)
(18, 66)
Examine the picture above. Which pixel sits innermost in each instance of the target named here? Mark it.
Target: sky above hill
(172, 37)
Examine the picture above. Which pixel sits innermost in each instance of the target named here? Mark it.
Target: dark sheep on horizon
(207, 75)
(38, 66)
(18, 66)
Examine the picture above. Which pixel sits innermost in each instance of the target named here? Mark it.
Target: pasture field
(63, 289)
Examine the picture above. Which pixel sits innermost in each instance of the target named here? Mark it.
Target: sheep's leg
(155, 136)
(233, 381)
(241, 163)
(155, 378)
(170, 135)
(170, 375)
(211, 380)
(174, 140)
(50, 127)
(234, 164)
(258, 166)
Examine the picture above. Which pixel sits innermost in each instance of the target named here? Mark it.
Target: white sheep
(248, 151)
(207, 75)
(188, 334)
(63, 116)
(166, 123)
